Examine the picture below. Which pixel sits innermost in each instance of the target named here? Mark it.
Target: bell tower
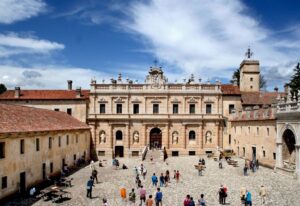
(249, 73)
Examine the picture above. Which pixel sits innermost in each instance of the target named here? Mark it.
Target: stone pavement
(282, 190)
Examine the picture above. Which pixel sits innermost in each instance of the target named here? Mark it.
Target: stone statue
(136, 137)
(102, 137)
(208, 137)
(175, 137)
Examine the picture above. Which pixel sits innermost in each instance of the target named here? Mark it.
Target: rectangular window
(229, 140)
(249, 130)
(119, 108)
(264, 153)
(136, 108)
(50, 143)
(44, 171)
(244, 152)
(22, 149)
(257, 130)
(2, 150)
(155, 108)
(175, 108)
(208, 109)
(4, 182)
(37, 144)
(102, 108)
(56, 109)
(59, 141)
(251, 79)
(51, 167)
(69, 111)
(74, 157)
(192, 108)
(67, 139)
(231, 108)
(274, 155)
(268, 132)
(76, 138)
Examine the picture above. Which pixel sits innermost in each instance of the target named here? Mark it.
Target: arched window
(119, 135)
(192, 135)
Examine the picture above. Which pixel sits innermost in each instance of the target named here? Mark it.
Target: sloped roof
(15, 119)
(44, 95)
(230, 90)
(260, 98)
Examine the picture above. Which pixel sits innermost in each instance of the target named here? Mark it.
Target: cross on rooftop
(249, 53)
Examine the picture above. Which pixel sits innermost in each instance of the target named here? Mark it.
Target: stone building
(186, 118)
(73, 102)
(35, 143)
(253, 134)
(288, 135)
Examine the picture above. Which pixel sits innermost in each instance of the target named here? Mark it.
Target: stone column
(200, 140)
(168, 136)
(279, 161)
(111, 137)
(145, 135)
(297, 172)
(128, 135)
(184, 136)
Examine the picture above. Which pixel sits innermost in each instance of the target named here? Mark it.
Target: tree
(262, 82)
(295, 80)
(2, 88)
(236, 76)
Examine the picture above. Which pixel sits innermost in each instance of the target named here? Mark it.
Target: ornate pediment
(136, 100)
(155, 78)
(156, 100)
(119, 100)
(192, 100)
(102, 100)
(175, 100)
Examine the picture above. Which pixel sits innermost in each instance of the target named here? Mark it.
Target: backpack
(132, 196)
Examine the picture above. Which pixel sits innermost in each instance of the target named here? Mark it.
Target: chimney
(70, 84)
(17, 92)
(78, 92)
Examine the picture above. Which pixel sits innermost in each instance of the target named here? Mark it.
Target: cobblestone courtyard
(282, 190)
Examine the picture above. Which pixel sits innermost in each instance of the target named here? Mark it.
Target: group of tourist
(189, 201)
(251, 165)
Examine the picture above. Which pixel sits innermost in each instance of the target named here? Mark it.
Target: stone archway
(288, 147)
(155, 138)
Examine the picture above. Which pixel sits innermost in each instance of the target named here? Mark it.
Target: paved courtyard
(282, 190)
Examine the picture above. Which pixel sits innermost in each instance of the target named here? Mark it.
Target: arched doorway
(288, 147)
(155, 138)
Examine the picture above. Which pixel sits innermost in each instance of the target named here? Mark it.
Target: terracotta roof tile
(45, 95)
(229, 89)
(15, 118)
(259, 98)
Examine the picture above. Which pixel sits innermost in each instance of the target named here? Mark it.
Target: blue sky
(45, 43)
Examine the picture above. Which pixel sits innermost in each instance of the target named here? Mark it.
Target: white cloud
(209, 37)
(17, 10)
(49, 77)
(11, 44)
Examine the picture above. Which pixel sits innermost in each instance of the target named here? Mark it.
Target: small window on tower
(251, 79)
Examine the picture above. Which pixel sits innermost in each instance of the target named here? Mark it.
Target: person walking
(149, 201)
(262, 194)
(154, 180)
(89, 187)
(158, 197)
(222, 195)
(177, 176)
(248, 201)
(161, 180)
(142, 194)
(187, 200)
(94, 175)
(132, 197)
(257, 164)
(104, 201)
(243, 194)
(201, 201)
(192, 202)
(245, 170)
(123, 193)
(220, 163)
